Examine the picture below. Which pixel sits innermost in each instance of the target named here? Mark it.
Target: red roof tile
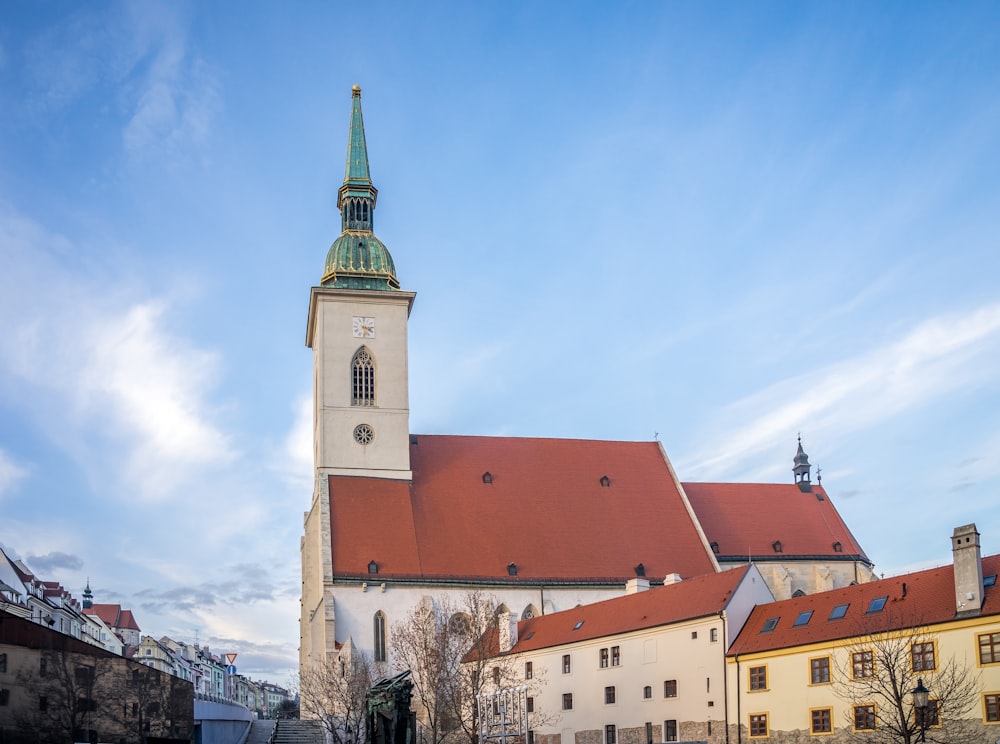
(546, 511)
(693, 598)
(113, 615)
(929, 599)
(749, 517)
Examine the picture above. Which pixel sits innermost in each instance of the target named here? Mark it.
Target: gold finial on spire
(356, 91)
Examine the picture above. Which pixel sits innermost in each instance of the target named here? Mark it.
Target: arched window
(363, 378)
(380, 654)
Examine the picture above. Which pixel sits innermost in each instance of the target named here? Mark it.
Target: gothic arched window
(363, 378)
(380, 654)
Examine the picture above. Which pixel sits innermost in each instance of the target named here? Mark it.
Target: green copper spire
(357, 259)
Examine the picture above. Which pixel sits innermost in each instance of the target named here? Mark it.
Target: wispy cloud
(936, 357)
(10, 473)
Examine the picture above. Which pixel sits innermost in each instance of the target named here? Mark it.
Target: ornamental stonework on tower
(541, 524)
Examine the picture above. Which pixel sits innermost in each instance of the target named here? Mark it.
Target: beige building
(844, 663)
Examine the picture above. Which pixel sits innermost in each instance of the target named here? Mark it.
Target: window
(838, 612)
(803, 619)
(670, 730)
(758, 678)
(529, 670)
(649, 732)
(496, 675)
(819, 670)
(379, 630)
(616, 656)
(822, 720)
(84, 675)
(713, 635)
(877, 604)
(531, 736)
(922, 656)
(694, 635)
(604, 658)
(566, 664)
(529, 704)
(989, 581)
(758, 724)
(992, 704)
(647, 692)
(149, 652)
(670, 688)
(931, 717)
(3, 663)
(609, 695)
(363, 378)
(864, 717)
(610, 734)
(43, 702)
(85, 705)
(770, 624)
(567, 701)
(862, 665)
(4, 697)
(989, 648)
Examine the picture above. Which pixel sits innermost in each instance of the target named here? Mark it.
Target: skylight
(877, 604)
(803, 618)
(838, 612)
(578, 625)
(990, 581)
(769, 625)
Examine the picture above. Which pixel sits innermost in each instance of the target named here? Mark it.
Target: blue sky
(717, 223)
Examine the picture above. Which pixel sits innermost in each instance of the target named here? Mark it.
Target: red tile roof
(113, 615)
(546, 511)
(929, 598)
(693, 598)
(748, 517)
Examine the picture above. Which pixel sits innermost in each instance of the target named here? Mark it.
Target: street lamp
(920, 694)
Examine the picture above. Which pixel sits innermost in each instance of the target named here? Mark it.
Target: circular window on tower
(364, 434)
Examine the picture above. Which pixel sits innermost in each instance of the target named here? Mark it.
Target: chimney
(968, 571)
(638, 584)
(672, 578)
(507, 630)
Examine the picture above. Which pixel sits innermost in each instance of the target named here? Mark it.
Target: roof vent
(372, 567)
(714, 546)
(777, 546)
(837, 547)
(605, 481)
(487, 477)
(640, 570)
(512, 569)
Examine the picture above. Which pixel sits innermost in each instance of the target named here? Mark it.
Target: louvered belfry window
(363, 377)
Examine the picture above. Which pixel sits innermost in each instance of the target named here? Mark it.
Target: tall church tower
(357, 331)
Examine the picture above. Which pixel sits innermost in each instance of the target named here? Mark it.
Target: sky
(721, 225)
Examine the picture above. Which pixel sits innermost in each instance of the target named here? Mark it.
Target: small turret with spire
(88, 596)
(802, 469)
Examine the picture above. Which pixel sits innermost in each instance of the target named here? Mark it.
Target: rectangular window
(862, 664)
(989, 648)
(609, 695)
(4, 697)
(758, 724)
(838, 612)
(713, 635)
(567, 701)
(3, 663)
(864, 717)
(604, 658)
(84, 675)
(991, 703)
(529, 703)
(531, 736)
(758, 678)
(616, 656)
(819, 670)
(610, 734)
(931, 716)
(42, 666)
(822, 720)
(43, 702)
(647, 692)
(649, 732)
(670, 688)
(529, 671)
(922, 656)
(566, 664)
(670, 730)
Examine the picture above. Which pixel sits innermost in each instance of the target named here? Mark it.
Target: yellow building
(843, 664)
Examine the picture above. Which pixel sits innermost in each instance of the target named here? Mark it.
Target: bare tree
(333, 692)
(452, 651)
(878, 673)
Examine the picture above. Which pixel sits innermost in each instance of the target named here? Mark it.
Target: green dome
(359, 261)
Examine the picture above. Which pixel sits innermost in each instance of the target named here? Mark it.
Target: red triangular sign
(231, 658)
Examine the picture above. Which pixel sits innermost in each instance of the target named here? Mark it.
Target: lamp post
(920, 694)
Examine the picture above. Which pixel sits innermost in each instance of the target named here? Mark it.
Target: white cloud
(937, 357)
(299, 443)
(10, 473)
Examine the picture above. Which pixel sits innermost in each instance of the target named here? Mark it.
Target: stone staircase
(299, 732)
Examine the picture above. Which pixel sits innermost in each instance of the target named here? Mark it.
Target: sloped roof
(928, 599)
(113, 615)
(701, 596)
(749, 517)
(545, 511)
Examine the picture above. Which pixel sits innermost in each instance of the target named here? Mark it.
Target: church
(543, 525)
